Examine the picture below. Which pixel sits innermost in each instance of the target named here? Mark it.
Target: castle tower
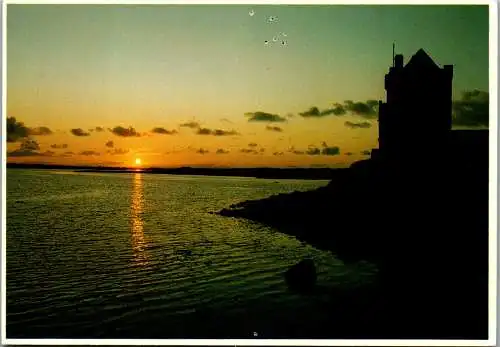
(415, 120)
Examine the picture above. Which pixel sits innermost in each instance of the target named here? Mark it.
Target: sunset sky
(220, 85)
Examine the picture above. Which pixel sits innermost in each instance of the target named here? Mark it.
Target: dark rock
(302, 276)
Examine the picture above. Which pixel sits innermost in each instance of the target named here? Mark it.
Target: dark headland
(418, 209)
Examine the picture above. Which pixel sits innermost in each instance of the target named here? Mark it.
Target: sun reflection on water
(137, 224)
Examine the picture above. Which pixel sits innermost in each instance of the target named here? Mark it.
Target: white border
(258, 2)
(3, 156)
(250, 342)
(493, 186)
(493, 178)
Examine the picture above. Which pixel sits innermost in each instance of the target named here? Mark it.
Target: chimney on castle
(398, 61)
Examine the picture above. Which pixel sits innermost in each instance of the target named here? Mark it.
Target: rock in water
(302, 276)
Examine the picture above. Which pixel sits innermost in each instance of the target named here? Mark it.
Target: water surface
(108, 255)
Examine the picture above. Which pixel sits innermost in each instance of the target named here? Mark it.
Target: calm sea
(93, 255)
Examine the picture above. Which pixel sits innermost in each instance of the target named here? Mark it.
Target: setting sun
(138, 161)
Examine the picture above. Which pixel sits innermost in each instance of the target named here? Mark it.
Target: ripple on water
(139, 255)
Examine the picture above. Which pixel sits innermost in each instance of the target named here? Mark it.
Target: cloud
(330, 150)
(226, 120)
(67, 154)
(204, 131)
(163, 131)
(274, 128)
(278, 153)
(40, 131)
(366, 109)
(28, 148)
(118, 151)
(62, 146)
(313, 151)
(472, 109)
(110, 144)
(312, 112)
(88, 153)
(252, 144)
(216, 132)
(315, 112)
(264, 117)
(97, 129)
(221, 151)
(192, 125)
(202, 151)
(475, 95)
(49, 153)
(79, 132)
(366, 152)
(248, 151)
(16, 130)
(360, 125)
(125, 132)
(348, 153)
(337, 110)
(295, 151)
(30, 145)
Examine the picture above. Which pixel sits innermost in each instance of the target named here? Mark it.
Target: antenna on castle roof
(393, 49)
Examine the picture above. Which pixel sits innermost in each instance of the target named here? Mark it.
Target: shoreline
(263, 173)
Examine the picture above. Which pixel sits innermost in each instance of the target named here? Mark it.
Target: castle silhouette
(415, 122)
(419, 89)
